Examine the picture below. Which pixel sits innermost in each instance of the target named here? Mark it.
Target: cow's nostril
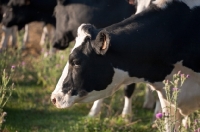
(54, 100)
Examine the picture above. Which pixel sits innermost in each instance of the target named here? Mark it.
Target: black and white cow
(71, 14)
(68, 18)
(148, 47)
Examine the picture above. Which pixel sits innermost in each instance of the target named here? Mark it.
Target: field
(29, 108)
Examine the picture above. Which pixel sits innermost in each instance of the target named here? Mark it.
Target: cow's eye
(76, 63)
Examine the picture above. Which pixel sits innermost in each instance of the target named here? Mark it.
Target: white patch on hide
(59, 85)
(81, 35)
(142, 5)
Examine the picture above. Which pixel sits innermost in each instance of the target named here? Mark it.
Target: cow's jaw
(117, 80)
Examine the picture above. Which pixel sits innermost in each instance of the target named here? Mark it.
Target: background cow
(7, 32)
(22, 12)
(10, 32)
(71, 14)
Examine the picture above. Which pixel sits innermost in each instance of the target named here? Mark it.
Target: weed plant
(6, 87)
(172, 90)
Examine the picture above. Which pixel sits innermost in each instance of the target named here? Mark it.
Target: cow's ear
(101, 43)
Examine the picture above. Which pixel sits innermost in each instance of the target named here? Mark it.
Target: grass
(30, 110)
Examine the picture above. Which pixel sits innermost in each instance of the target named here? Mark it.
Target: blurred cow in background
(71, 14)
(7, 32)
(22, 12)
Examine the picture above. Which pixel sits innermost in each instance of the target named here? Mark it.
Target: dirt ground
(32, 46)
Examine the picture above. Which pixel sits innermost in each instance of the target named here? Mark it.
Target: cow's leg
(164, 110)
(47, 37)
(14, 33)
(178, 121)
(5, 37)
(96, 108)
(128, 92)
(149, 98)
(43, 40)
(51, 37)
(44, 35)
(158, 109)
(184, 121)
(26, 36)
(127, 110)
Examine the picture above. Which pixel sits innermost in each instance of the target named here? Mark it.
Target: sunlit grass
(30, 110)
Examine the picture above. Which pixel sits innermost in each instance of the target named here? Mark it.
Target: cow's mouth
(60, 46)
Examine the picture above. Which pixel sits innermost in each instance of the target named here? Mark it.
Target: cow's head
(65, 29)
(68, 18)
(16, 13)
(88, 75)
